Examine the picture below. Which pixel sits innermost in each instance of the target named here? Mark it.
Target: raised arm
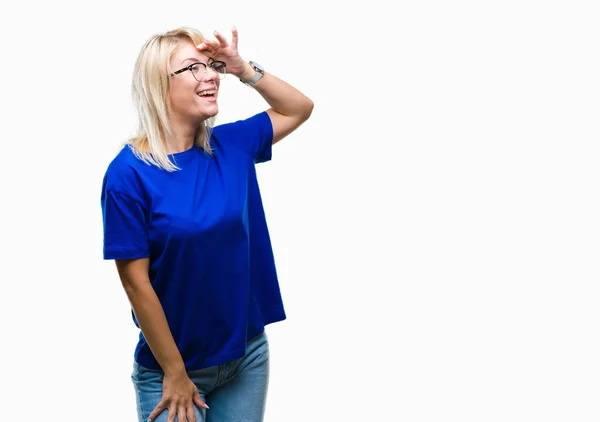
(289, 107)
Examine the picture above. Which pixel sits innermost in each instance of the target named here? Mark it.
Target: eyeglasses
(199, 70)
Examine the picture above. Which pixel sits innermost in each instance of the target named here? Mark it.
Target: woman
(184, 222)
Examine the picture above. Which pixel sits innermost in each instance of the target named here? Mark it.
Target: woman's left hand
(221, 50)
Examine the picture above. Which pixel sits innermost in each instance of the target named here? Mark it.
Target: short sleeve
(125, 228)
(253, 135)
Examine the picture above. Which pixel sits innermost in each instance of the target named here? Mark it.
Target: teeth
(207, 92)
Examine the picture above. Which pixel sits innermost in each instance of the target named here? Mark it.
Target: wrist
(255, 76)
(247, 73)
(175, 369)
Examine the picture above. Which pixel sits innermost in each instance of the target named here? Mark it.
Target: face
(192, 99)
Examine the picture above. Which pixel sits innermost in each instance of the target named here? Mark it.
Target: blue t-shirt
(204, 231)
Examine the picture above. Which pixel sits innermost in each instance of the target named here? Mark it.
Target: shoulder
(253, 136)
(255, 123)
(123, 174)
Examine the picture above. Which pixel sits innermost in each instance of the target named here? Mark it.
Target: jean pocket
(147, 380)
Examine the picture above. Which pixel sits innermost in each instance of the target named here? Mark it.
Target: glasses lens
(199, 71)
(220, 68)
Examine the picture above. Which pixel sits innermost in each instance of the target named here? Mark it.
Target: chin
(213, 114)
(207, 113)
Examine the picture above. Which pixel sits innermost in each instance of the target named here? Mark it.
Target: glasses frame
(212, 65)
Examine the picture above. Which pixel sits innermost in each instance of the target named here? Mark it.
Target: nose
(210, 74)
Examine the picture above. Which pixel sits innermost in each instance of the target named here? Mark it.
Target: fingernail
(206, 406)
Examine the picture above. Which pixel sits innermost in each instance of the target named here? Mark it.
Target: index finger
(157, 411)
(221, 39)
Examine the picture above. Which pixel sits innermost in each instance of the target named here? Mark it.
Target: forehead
(187, 51)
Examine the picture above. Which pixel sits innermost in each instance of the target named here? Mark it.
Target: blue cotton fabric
(204, 231)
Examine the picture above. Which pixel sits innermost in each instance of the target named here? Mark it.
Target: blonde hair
(150, 92)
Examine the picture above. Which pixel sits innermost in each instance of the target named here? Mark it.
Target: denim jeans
(235, 391)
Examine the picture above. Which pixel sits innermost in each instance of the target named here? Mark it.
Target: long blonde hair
(150, 91)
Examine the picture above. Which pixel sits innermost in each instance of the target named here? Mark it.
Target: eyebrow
(192, 59)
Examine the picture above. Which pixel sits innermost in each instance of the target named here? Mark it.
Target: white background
(435, 222)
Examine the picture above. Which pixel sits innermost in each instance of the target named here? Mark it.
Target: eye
(196, 67)
(218, 67)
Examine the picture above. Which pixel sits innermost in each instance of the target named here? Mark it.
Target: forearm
(281, 96)
(153, 323)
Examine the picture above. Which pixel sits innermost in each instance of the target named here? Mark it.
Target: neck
(182, 137)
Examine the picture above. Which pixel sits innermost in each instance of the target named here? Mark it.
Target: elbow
(308, 108)
(135, 286)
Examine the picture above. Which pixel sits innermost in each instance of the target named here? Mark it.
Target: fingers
(207, 45)
(199, 402)
(220, 44)
(157, 411)
(172, 412)
(181, 414)
(182, 411)
(234, 38)
(191, 415)
(221, 39)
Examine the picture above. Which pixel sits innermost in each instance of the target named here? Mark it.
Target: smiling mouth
(207, 93)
